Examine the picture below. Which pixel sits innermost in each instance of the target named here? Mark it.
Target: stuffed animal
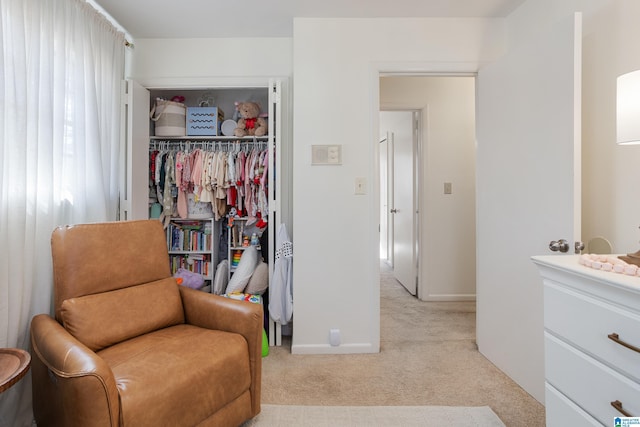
(250, 122)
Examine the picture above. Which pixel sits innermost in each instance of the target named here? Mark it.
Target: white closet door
(275, 187)
(134, 203)
(275, 156)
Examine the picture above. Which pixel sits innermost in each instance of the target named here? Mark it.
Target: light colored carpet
(428, 357)
(374, 416)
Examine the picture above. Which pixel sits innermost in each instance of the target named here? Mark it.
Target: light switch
(447, 188)
(360, 186)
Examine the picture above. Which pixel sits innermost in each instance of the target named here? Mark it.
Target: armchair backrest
(112, 281)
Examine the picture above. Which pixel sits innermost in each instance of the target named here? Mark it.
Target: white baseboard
(451, 297)
(328, 349)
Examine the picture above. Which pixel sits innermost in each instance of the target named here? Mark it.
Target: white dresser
(592, 343)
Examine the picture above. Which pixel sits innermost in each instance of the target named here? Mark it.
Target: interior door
(384, 199)
(403, 212)
(389, 215)
(528, 190)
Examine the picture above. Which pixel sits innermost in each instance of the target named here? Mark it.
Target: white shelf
(206, 229)
(209, 138)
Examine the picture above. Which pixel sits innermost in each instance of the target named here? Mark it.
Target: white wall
(236, 58)
(336, 64)
(610, 206)
(447, 222)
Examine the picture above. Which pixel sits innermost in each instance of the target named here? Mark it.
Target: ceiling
(274, 18)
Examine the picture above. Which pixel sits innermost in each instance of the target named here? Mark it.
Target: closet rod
(169, 144)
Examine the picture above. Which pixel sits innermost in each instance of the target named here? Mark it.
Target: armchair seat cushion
(178, 375)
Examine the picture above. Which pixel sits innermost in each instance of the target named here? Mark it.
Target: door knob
(393, 210)
(579, 247)
(559, 246)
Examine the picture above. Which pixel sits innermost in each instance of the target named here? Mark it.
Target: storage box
(169, 118)
(202, 121)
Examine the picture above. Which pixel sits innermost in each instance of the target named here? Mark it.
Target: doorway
(444, 190)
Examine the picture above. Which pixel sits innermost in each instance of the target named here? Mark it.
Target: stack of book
(190, 236)
(198, 263)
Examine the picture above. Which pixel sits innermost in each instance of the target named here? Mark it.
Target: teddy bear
(250, 122)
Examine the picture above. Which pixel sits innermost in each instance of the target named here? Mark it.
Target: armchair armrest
(76, 383)
(220, 313)
(225, 314)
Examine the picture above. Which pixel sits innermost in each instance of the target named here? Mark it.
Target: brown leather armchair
(129, 347)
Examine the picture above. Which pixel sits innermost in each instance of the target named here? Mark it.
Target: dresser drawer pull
(618, 405)
(615, 337)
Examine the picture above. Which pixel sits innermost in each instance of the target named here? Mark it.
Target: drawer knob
(618, 405)
(615, 337)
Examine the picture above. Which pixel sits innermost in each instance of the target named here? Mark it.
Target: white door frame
(463, 69)
(377, 70)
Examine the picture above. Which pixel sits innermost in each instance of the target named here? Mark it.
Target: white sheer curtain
(60, 68)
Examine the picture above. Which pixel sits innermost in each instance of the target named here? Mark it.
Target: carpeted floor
(374, 416)
(428, 357)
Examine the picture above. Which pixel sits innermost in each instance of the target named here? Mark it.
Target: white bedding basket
(170, 118)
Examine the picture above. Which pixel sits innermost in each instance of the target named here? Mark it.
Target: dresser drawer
(588, 383)
(586, 322)
(562, 412)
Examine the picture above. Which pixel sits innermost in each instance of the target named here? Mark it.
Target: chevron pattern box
(202, 121)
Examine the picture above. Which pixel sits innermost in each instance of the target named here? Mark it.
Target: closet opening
(213, 188)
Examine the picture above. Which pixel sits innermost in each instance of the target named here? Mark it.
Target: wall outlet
(334, 337)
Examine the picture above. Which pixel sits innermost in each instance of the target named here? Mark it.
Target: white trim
(425, 69)
(450, 297)
(357, 348)
(386, 69)
(208, 82)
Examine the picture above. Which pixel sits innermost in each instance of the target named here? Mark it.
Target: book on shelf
(190, 236)
(197, 263)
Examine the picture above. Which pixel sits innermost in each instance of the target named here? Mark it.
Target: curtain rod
(113, 22)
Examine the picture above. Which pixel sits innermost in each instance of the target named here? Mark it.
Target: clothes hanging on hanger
(223, 174)
(281, 289)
